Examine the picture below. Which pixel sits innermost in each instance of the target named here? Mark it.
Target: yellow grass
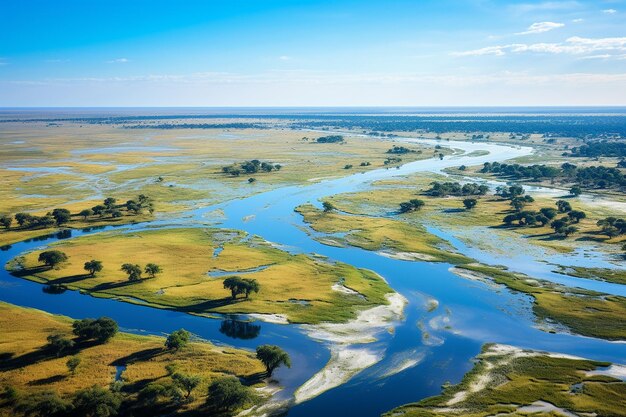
(30, 369)
(186, 256)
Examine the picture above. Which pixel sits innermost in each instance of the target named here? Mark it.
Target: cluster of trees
(61, 216)
(412, 205)
(224, 394)
(238, 285)
(563, 226)
(134, 271)
(443, 189)
(612, 226)
(95, 401)
(553, 125)
(392, 160)
(599, 148)
(593, 176)
(330, 139)
(100, 330)
(57, 217)
(250, 167)
(109, 207)
(399, 150)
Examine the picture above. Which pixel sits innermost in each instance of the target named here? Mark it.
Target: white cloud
(609, 11)
(284, 58)
(578, 20)
(541, 27)
(575, 45)
(118, 61)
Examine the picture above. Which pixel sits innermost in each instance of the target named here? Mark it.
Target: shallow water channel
(425, 349)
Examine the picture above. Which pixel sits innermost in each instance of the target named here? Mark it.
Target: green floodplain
(174, 216)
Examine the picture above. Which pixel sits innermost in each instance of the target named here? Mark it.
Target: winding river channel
(445, 321)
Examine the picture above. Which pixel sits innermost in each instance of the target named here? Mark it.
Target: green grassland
(385, 197)
(177, 167)
(583, 312)
(381, 234)
(504, 381)
(297, 286)
(28, 368)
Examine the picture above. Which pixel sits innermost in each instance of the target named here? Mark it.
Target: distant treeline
(593, 176)
(197, 126)
(600, 148)
(569, 125)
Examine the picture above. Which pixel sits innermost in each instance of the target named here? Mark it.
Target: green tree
(235, 285)
(86, 213)
(152, 270)
(177, 339)
(99, 210)
(133, 271)
(72, 363)
(228, 393)
(328, 206)
(23, 219)
(132, 205)
(43, 404)
(186, 382)
(61, 216)
(59, 344)
(575, 191)
(563, 206)
(101, 329)
(109, 203)
(411, 205)
(272, 357)
(97, 402)
(549, 212)
(93, 266)
(6, 220)
(576, 215)
(52, 258)
(250, 286)
(470, 203)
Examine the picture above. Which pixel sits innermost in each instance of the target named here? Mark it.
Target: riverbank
(294, 288)
(508, 380)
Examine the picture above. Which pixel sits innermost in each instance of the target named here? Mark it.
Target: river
(427, 347)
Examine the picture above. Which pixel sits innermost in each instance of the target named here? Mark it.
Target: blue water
(469, 314)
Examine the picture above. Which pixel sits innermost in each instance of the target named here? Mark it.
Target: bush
(97, 402)
(43, 404)
(177, 339)
(228, 394)
(52, 258)
(102, 329)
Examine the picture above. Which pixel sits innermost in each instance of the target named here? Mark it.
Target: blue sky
(312, 53)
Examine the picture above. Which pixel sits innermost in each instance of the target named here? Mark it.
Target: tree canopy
(272, 357)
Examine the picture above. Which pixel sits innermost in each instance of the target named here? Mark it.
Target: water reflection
(64, 234)
(53, 289)
(239, 329)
